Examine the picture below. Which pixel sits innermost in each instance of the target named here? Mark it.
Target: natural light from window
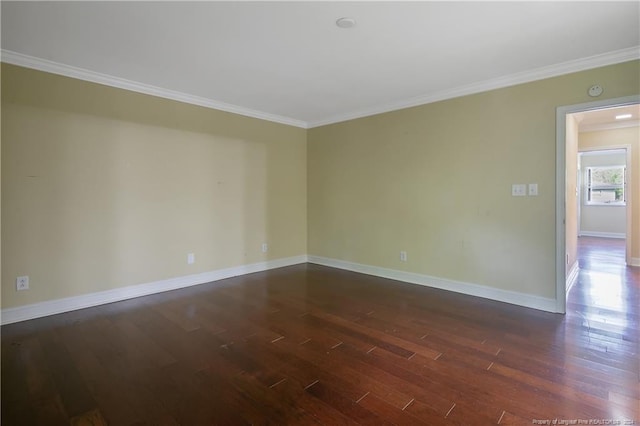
(605, 291)
(605, 185)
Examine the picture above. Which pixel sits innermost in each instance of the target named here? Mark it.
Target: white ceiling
(288, 61)
(603, 119)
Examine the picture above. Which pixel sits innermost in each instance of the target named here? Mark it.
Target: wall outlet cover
(22, 283)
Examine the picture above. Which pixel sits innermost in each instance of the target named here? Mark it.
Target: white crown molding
(52, 307)
(609, 58)
(515, 298)
(608, 126)
(45, 65)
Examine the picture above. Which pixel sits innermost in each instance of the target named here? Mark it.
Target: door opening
(568, 193)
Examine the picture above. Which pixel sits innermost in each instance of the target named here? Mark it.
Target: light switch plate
(533, 189)
(519, 190)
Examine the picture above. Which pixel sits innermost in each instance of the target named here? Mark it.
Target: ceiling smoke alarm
(346, 22)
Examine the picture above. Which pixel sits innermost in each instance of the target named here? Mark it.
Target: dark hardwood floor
(314, 345)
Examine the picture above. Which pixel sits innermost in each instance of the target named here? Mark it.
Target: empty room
(320, 213)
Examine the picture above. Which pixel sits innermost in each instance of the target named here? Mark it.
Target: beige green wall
(630, 137)
(1, 188)
(435, 180)
(104, 188)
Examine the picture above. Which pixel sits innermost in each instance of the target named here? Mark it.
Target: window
(605, 185)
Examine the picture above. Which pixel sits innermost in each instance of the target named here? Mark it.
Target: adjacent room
(221, 213)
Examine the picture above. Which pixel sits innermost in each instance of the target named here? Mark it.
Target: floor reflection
(605, 299)
(604, 290)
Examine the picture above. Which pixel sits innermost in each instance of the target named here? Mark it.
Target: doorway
(568, 191)
(604, 205)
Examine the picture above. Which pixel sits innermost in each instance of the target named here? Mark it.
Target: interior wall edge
(469, 289)
(601, 234)
(572, 276)
(44, 65)
(58, 306)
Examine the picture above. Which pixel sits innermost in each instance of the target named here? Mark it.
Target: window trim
(589, 188)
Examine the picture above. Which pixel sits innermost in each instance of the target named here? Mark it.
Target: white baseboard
(51, 307)
(602, 234)
(572, 276)
(515, 298)
(635, 261)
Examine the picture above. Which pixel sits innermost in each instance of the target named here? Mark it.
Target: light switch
(533, 189)
(519, 190)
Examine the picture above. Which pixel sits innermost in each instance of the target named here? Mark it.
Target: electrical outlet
(265, 247)
(403, 256)
(22, 283)
(191, 258)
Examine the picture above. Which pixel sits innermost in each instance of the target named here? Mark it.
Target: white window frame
(589, 187)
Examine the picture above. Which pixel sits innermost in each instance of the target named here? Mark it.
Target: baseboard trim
(572, 277)
(602, 234)
(515, 298)
(635, 261)
(58, 306)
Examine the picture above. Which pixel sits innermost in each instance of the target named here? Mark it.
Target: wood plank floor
(314, 345)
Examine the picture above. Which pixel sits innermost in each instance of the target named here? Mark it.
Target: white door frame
(561, 166)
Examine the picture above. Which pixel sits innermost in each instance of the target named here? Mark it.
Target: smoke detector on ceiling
(346, 22)
(595, 90)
